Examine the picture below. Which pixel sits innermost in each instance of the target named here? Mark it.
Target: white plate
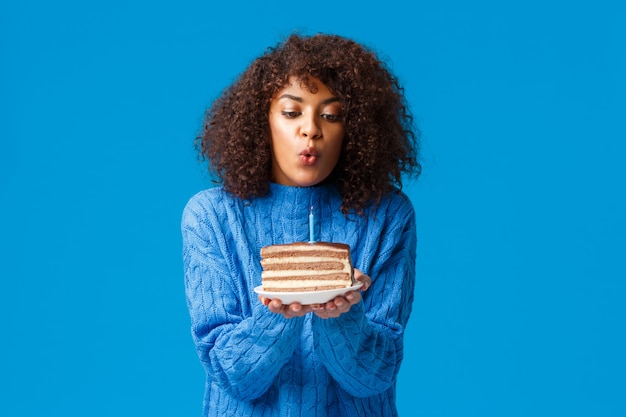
(308, 297)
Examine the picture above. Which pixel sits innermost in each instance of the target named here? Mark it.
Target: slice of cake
(306, 266)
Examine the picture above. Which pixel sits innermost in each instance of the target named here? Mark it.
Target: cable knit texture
(261, 364)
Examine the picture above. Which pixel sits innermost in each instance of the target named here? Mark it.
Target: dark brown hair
(380, 142)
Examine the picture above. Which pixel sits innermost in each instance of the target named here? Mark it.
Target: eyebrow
(299, 99)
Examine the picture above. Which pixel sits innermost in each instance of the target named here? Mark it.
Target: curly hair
(380, 142)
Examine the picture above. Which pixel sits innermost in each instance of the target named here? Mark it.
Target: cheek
(280, 144)
(274, 135)
(279, 131)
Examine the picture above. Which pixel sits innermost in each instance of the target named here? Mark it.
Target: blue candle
(311, 223)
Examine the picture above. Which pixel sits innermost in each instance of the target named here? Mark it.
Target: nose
(310, 128)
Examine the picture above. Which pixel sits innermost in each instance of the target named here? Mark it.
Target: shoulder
(399, 198)
(395, 206)
(206, 198)
(205, 204)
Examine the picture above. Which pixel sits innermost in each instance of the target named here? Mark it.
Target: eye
(291, 114)
(332, 117)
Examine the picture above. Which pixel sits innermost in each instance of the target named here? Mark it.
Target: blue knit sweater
(261, 364)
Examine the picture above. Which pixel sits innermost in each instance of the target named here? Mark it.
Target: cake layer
(306, 266)
(291, 253)
(317, 249)
(302, 289)
(303, 265)
(306, 276)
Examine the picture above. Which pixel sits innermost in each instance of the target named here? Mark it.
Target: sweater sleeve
(363, 348)
(242, 348)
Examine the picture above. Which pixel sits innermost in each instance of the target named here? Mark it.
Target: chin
(307, 182)
(302, 178)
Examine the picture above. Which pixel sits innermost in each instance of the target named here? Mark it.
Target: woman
(315, 122)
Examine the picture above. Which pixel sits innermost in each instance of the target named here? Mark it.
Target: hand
(287, 310)
(342, 304)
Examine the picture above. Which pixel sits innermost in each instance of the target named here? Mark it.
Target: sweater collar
(302, 192)
(295, 202)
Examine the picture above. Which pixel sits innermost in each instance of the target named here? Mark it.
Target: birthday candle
(311, 223)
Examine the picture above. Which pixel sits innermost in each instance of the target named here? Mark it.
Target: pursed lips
(308, 156)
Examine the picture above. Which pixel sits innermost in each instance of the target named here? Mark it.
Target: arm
(363, 348)
(241, 350)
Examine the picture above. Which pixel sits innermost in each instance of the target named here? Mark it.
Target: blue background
(519, 307)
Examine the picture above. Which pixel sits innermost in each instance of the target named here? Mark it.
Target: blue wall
(519, 305)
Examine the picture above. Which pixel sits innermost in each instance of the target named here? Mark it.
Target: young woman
(314, 122)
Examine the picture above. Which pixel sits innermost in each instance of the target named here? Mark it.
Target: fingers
(286, 310)
(275, 306)
(264, 300)
(365, 279)
(337, 306)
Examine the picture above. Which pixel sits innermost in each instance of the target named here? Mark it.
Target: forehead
(301, 86)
